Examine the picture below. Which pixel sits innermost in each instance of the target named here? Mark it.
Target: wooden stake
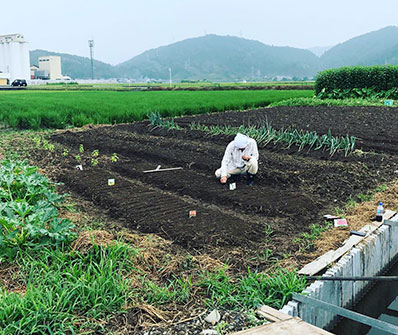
(160, 170)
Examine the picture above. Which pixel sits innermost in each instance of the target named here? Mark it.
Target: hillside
(227, 58)
(76, 66)
(319, 51)
(221, 58)
(377, 47)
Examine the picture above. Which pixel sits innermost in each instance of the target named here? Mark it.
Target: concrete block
(357, 270)
(336, 292)
(346, 286)
(321, 315)
(394, 240)
(370, 261)
(287, 309)
(294, 305)
(306, 311)
(368, 258)
(384, 236)
(324, 295)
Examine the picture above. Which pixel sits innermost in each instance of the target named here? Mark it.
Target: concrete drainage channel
(370, 257)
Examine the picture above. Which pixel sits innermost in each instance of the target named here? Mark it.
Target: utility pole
(170, 76)
(91, 45)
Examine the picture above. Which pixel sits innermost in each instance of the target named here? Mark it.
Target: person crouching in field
(240, 157)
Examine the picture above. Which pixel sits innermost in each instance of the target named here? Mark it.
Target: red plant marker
(340, 223)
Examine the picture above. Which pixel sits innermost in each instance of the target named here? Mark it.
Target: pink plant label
(192, 214)
(340, 223)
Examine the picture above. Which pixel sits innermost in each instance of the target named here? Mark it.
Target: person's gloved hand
(223, 180)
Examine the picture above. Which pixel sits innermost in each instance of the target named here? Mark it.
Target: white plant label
(232, 186)
(111, 182)
(79, 167)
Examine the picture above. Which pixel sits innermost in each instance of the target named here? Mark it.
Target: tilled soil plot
(293, 189)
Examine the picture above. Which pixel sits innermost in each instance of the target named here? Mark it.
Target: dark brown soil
(293, 189)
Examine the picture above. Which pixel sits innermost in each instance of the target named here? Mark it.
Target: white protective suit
(233, 163)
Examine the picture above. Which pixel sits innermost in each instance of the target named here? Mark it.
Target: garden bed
(250, 226)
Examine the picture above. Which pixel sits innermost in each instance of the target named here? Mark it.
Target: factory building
(49, 68)
(14, 58)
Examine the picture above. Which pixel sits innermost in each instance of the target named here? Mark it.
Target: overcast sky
(123, 29)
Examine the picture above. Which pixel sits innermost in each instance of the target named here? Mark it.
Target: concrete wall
(369, 258)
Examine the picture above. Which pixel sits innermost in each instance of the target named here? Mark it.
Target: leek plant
(265, 133)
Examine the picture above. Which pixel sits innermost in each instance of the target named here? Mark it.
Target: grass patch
(65, 290)
(306, 241)
(360, 198)
(175, 290)
(250, 291)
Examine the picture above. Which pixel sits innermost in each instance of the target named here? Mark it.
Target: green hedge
(380, 78)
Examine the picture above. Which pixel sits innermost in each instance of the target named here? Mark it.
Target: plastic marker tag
(388, 102)
(79, 167)
(232, 186)
(331, 217)
(111, 182)
(340, 223)
(192, 214)
(359, 233)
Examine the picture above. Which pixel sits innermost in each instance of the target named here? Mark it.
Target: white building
(33, 69)
(14, 57)
(52, 66)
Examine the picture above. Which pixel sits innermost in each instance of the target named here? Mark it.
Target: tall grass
(40, 109)
(64, 291)
(252, 290)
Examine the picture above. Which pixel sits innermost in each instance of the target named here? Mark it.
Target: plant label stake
(79, 167)
(232, 186)
(111, 182)
(192, 214)
(331, 217)
(158, 169)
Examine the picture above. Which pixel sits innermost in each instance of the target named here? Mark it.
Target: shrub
(378, 78)
(28, 213)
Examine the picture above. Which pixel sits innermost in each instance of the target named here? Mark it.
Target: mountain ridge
(230, 58)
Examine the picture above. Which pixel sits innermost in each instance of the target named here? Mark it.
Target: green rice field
(62, 109)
